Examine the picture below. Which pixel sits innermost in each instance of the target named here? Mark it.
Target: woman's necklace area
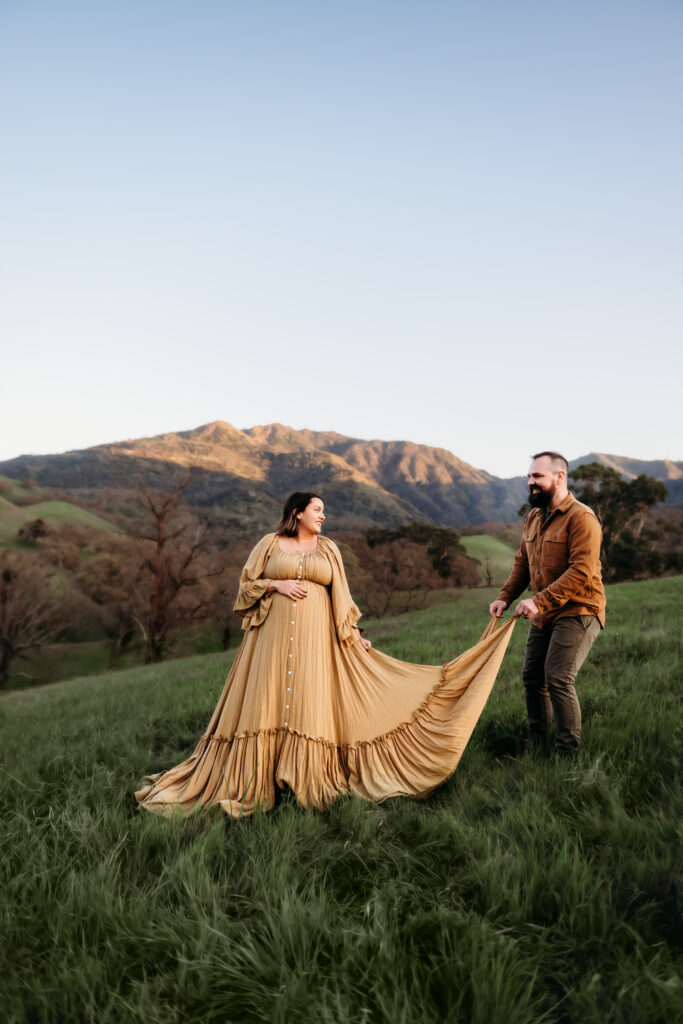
(299, 550)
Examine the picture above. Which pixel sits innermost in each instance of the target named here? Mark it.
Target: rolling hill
(493, 554)
(13, 517)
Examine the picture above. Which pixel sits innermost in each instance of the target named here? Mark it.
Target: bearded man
(560, 557)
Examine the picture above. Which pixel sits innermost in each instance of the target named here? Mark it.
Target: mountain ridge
(365, 481)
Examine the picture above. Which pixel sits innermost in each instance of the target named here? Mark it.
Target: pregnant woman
(310, 705)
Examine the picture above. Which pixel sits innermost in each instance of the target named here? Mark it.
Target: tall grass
(524, 890)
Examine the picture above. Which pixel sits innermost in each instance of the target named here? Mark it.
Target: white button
(289, 673)
(290, 655)
(292, 622)
(287, 689)
(285, 723)
(287, 706)
(293, 604)
(291, 639)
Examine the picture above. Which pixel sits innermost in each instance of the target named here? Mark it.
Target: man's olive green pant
(552, 658)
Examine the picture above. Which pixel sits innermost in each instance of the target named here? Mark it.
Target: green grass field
(524, 890)
(65, 512)
(499, 554)
(13, 517)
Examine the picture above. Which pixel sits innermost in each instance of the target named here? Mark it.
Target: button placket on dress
(290, 659)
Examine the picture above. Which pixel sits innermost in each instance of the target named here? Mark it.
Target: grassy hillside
(13, 517)
(65, 512)
(525, 890)
(499, 554)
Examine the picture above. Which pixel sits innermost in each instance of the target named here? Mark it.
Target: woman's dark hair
(297, 502)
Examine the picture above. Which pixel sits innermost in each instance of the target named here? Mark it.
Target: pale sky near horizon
(459, 224)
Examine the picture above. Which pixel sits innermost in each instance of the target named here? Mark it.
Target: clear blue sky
(455, 223)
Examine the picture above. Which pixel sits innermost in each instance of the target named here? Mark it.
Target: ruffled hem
(240, 773)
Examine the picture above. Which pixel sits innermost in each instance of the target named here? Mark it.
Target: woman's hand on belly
(289, 588)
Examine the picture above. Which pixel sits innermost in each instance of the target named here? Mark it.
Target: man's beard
(541, 498)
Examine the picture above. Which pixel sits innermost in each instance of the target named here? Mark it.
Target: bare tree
(108, 579)
(30, 612)
(172, 585)
(397, 575)
(61, 545)
(234, 556)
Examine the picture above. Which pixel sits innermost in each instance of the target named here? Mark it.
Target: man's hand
(497, 608)
(526, 609)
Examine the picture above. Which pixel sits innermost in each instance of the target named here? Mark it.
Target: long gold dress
(304, 705)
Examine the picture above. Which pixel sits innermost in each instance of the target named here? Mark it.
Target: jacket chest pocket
(555, 551)
(531, 540)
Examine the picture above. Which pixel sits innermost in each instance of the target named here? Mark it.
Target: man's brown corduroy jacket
(560, 558)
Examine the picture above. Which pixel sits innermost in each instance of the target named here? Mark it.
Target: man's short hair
(558, 461)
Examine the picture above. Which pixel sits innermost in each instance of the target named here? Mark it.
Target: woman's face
(312, 518)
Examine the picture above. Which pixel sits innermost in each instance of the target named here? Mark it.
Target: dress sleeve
(344, 612)
(253, 600)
